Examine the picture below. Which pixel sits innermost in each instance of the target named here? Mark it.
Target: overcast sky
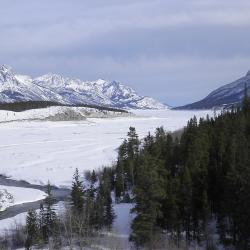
(174, 50)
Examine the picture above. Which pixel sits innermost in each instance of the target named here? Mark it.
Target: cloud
(141, 42)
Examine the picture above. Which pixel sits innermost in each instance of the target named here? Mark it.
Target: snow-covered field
(10, 223)
(10, 196)
(58, 113)
(38, 151)
(123, 219)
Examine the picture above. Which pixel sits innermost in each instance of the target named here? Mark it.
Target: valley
(42, 151)
(37, 151)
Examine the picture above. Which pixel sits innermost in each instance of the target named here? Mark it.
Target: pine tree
(119, 181)
(42, 223)
(32, 229)
(92, 188)
(93, 177)
(98, 215)
(246, 101)
(186, 201)
(132, 152)
(109, 214)
(77, 193)
(105, 192)
(90, 195)
(148, 144)
(160, 143)
(172, 218)
(48, 218)
(148, 193)
(205, 211)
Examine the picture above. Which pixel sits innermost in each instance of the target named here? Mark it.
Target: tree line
(20, 106)
(88, 212)
(181, 184)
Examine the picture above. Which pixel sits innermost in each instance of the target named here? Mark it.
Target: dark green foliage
(132, 156)
(246, 101)
(148, 197)
(32, 228)
(26, 105)
(180, 182)
(77, 193)
(105, 188)
(93, 177)
(109, 214)
(127, 163)
(94, 203)
(185, 200)
(48, 218)
(119, 181)
(91, 210)
(121, 175)
(99, 210)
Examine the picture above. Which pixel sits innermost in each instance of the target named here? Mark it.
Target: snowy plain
(65, 112)
(42, 151)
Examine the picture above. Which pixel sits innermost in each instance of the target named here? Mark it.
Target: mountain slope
(52, 87)
(227, 95)
(14, 88)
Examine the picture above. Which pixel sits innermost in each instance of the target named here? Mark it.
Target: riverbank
(59, 194)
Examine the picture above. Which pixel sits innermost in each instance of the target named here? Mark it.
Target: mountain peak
(6, 68)
(51, 76)
(248, 73)
(61, 89)
(50, 80)
(100, 81)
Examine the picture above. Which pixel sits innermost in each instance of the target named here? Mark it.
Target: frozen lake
(41, 151)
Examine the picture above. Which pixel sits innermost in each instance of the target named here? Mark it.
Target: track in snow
(42, 151)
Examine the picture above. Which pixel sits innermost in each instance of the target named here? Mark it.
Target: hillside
(227, 95)
(59, 89)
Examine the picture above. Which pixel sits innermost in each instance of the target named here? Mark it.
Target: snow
(16, 195)
(123, 219)
(53, 87)
(11, 196)
(9, 223)
(38, 151)
(48, 113)
(20, 219)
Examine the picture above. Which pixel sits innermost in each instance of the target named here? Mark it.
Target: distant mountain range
(55, 88)
(225, 96)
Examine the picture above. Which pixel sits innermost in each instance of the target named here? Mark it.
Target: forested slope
(180, 185)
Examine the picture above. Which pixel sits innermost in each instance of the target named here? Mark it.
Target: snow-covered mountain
(227, 95)
(52, 87)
